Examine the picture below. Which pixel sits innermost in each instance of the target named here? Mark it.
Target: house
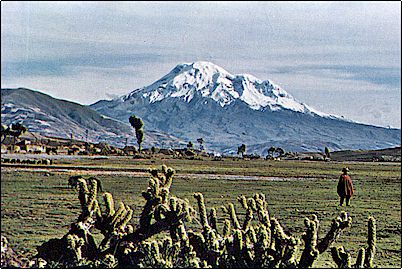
(168, 151)
(130, 150)
(4, 149)
(73, 150)
(23, 144)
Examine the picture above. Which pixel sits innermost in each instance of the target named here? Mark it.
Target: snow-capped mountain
(213, 82)
(202, 100)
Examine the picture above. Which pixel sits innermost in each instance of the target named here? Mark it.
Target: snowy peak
(187, 80)
(188, 102)
(211, 81)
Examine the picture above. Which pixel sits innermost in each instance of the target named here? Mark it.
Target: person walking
(345, 187)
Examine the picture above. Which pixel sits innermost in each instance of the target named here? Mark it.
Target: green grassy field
(37, 206)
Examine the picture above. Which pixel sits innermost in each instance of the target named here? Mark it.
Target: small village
(31, 143)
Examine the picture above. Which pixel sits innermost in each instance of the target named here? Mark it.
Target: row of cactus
(162, 239)
(260, 240)
(27, 161)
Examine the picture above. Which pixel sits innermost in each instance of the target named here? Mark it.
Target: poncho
(345, 186)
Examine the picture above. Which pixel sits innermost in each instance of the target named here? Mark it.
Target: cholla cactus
(257, 240)
(157, 193)
(371, 241)
(360, 259)
(162, 212)
(166, 254)
(108, 198)
(213, 219)
(74, 243)
(365, 256)
(113, 224)
(226, 228)
(37, 263)
(233, 216)
(310, 237)
(260, 241)
(80, 240)
(8, 257)
(341, 257)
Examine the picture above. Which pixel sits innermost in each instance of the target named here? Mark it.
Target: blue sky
(342, 58)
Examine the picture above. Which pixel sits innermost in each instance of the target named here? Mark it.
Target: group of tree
(137, 124)
(272, 151)
(200, 141)
(14, 130)
(275, 152)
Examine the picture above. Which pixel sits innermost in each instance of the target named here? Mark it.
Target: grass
(38, 206)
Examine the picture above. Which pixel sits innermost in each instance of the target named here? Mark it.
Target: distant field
(368, 155)
(37, 205)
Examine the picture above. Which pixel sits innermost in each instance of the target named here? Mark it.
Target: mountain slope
(43, 114)
(203, 100)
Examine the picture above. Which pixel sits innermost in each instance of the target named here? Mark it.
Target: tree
(15, 130)
(271, 151)
(201, 142)
(137, 124)
(280, 152)
(4, 132)
(242, 150)
(327, 153)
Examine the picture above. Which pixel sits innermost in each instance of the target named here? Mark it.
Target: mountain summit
(203, 100)
(210, 81)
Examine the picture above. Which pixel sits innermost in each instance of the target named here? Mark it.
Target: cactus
(213, 219)
(371, 241)
(74, 243)
(365, 257)
(310, 237)
(256, 240)
(341, 257)
(270, 246)
(202, 209)
(360, 259)
(108, 198)
(79, 240)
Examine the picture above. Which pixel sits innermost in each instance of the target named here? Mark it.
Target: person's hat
(345, 169)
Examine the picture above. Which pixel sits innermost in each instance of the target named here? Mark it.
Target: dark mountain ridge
(49, 116)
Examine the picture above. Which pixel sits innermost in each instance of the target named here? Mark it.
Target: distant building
(130, 150)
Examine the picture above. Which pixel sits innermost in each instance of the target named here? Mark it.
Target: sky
(342, 58)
